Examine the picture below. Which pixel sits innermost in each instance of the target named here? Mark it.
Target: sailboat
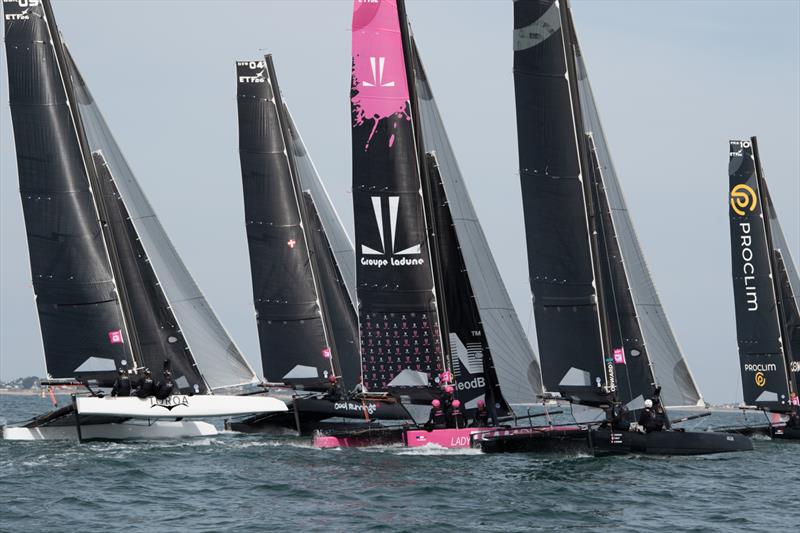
(432, 309)
(765, 289)
(302, 265)
(110, 289)
(604, 340)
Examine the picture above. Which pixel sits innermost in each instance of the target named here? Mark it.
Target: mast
(427, 191)
(304, 217)
(780, 308)
(95, 186)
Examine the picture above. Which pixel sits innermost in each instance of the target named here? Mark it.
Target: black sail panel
(79, 312)
(762, 364)
(558, 239)
(158, 333)
(291, 333)
(473, 369)
(634, 379)
(343, 323)
(398, 318)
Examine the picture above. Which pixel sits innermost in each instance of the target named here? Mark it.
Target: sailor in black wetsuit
(618, 420)
(481, 419)
(146, 387)
(333, 389)
(647, 419)
(793, 422)
(457, 419)
(660, 415)
(437, 419)
(167, 387)
(122, 385)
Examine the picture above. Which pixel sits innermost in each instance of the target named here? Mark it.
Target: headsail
(398, 310)
(510, 352)
(759, 328)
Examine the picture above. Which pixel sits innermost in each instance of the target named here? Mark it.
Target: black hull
(322, 414)
(773, 432)
(604, 442)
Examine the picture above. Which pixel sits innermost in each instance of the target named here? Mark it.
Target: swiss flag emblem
(291, 242)
(115, 337)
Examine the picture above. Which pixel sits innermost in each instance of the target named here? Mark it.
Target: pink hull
(446, 438)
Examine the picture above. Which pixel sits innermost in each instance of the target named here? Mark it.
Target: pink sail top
(380, 87)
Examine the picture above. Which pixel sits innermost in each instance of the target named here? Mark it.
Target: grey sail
(340, 244)
(219, 360)
(515, 363)
(678, 386)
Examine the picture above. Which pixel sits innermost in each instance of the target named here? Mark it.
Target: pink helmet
(332, 379)
(456, 403)
(449, 389)
(436, 403)
(481, 403)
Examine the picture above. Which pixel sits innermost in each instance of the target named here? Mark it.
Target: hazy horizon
(674, 81)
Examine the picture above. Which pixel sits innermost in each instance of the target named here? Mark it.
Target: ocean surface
(236, 482)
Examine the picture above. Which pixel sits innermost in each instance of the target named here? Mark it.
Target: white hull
(129, 430)
(178, 406)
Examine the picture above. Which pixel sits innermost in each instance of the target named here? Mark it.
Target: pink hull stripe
(379, 74)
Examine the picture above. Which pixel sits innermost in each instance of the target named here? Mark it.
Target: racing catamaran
(110, 289)
(765, 289)
(302, 267)
(432, 308)
(604, 340)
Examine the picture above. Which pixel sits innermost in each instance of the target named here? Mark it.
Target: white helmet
(648, 403)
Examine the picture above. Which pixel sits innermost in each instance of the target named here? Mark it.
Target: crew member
(481, 419)
(146, 386)
(122, 385)
(437, 419)
(661, 418)
(648, 418)
(333, 388)
(619, 420)
(793, 422)
(166, 387)
(360, 388)
(456, 416)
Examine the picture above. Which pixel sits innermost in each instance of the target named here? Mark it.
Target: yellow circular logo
(743, 197)
(761, 379)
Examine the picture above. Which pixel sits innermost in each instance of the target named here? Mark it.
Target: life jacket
(437, 418)
(147, 387)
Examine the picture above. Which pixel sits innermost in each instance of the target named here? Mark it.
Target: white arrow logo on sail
(377, 80)
(377, 209)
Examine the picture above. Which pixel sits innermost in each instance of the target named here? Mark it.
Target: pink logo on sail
(619, 356)
(115, 337)
(446, 377)
(326, 353)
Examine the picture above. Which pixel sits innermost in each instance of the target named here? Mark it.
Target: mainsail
(306, 322)
(111, 286)
(401, 344)
(762, 286)
(601, 328)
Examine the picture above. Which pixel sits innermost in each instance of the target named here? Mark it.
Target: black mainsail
(306, 320)
(452, 282)
(767, 321)
(109, 285)
(602, 333)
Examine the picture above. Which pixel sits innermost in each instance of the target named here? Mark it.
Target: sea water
(236, 482)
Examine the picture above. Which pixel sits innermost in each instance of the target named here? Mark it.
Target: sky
(674, 81)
